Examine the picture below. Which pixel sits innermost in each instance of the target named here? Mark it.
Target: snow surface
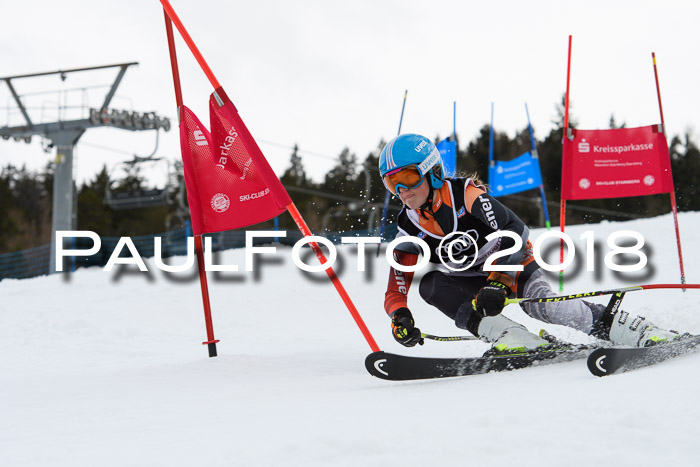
(107, 369)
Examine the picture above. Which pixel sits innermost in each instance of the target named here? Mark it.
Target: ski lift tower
(64, 135)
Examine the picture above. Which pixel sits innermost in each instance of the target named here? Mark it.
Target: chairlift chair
(142, 198)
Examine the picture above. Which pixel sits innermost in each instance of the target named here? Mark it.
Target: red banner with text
(616, 163)
(229, 182)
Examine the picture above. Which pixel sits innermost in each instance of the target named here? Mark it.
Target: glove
(491, 299)
(403, 328)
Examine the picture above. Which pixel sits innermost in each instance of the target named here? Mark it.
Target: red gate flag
(216, 175)
(229, 182)
(616, 163)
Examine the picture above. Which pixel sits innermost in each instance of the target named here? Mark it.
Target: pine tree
(295, 175)
(342, 181)
(93, 215)
(685, 165)
(301, 190)
(8, 227)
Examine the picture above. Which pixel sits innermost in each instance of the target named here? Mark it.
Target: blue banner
(448, 152)
(514, 176)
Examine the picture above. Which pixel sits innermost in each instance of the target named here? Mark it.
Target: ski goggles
(406, 178)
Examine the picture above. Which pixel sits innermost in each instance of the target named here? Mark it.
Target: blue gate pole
(491, 162)
(454, 119)
(454, 135)
(536, 156)
(387, 196)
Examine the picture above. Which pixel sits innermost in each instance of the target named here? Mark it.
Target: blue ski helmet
(413, 149)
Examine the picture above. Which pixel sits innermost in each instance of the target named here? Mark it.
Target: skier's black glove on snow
(403, 328)
(491, 299)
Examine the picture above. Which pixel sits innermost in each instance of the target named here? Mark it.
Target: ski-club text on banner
(514, 176)
(616, 163)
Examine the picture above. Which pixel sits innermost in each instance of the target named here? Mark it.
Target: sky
(328, 74)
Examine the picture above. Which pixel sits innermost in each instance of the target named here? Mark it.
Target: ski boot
(636, 331)
(509, 338)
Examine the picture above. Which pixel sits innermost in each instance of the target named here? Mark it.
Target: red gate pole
(190, 43)
(210, 342)
(562, 200)
(674, 207)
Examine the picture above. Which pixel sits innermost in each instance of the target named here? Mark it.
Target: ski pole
(560, 298)
(448, 339)
(462, 338)
(634, 288)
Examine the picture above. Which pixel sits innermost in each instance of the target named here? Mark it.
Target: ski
(607, 361)
(396, 367)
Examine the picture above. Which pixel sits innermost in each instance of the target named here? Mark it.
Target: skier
(460, 212)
